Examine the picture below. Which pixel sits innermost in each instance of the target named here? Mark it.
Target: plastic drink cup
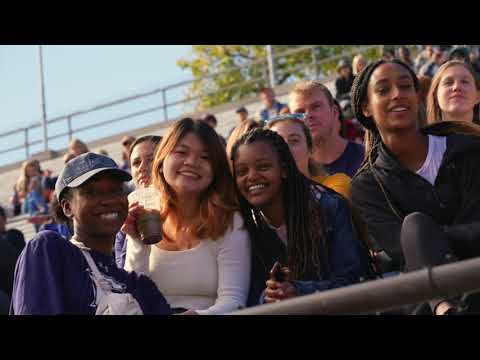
(149, 225)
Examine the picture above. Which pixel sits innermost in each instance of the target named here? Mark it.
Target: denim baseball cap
(83, 167)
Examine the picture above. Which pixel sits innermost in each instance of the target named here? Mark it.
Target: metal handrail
(69, 118)
(442, 281)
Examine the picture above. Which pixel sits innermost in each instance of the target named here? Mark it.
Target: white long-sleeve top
(212, 278)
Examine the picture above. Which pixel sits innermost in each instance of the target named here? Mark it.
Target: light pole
(44, 107)
(271, 66)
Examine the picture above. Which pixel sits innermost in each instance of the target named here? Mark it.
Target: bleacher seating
(226, 121)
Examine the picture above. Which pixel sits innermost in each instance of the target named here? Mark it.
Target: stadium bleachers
(226, 121)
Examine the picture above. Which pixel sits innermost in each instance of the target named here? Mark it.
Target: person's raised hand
(135, 210)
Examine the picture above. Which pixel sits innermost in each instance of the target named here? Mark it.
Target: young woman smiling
(417, 189)
(454, 94)
(294, 220)
(202, 262)
(140, 157)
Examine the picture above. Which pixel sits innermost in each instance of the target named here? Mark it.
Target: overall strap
(92, 265)
(97, 276)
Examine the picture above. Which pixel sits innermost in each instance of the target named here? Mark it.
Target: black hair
(358, 95)
(307, 247)
(388, 51)
(373, 140)
(459, 53)
(151, 138)
(241, 110)
(210, 118)
(342, 130)
(404, 48)
(359, 90)
(57, 210)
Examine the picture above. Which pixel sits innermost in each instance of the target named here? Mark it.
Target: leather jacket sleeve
(464, 233)
(383, 225)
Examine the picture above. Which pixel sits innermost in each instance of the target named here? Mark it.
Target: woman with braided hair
(293, 220)
(417, 189)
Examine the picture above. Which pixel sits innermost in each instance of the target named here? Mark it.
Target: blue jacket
(348, 261)
(278, 106)
(61, 229)
(35, 202)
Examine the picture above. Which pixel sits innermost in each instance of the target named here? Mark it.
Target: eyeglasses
(296, 116)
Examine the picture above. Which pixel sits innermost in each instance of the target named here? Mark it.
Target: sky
(78, 77)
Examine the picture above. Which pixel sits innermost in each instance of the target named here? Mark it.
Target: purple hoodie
(52, 277)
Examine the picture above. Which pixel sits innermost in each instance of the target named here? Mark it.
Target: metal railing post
(44, 106)
(26, 142)
(271, 66)
(70, 132)
(164, 99)
(314, 61)
(268, 77)
(264, 74)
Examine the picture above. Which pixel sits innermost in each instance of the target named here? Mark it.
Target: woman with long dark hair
(417, 189)
(293, 220)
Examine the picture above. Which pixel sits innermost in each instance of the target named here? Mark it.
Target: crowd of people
(325, 191)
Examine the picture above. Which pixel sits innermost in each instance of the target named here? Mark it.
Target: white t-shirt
(212, 278)
(436, 148)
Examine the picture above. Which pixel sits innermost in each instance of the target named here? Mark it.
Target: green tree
(226, 73)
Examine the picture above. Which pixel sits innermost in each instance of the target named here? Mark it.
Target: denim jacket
(278, 106)
(348, 261)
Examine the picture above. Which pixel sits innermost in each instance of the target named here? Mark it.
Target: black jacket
(453, 202)
(343, 86)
